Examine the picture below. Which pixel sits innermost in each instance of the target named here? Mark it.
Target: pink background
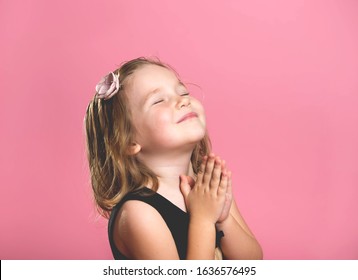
(280, 86)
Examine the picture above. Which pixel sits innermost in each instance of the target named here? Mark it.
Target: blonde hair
(110, 133)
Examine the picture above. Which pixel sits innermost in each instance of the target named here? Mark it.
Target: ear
(134, 149)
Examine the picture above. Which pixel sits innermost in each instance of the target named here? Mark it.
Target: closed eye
(157, 102)
(185, 94)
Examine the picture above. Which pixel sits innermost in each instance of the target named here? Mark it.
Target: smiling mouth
(188, 116)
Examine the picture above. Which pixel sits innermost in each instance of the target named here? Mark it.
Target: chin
(197, 137)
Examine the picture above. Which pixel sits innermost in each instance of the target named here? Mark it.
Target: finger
(227, 204)
(223, 184)
(184, 185)
(191, 181)
(229, 193)
(215, 180)
(201, 170)
(229, 183)
(209, 170)
(223, 164)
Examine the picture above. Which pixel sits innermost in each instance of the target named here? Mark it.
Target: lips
(188, 116)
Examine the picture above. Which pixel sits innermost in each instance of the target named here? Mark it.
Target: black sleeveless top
(176, 219)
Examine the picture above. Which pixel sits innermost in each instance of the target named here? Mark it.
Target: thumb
(184, 185)
(191, 181)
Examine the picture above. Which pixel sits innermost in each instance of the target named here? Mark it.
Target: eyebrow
(156, 90)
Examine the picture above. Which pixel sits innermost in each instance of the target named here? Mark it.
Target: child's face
(164, 114)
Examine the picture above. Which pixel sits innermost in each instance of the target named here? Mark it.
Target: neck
(168, 167)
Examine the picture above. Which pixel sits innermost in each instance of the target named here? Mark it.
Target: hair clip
(108, 86)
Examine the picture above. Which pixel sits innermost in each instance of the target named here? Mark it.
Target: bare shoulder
(141, 233)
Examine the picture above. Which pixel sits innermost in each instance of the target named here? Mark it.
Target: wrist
(201, 239)
(203, 222)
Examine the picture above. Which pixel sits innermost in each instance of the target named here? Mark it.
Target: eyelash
(156, 102)
(184, 94)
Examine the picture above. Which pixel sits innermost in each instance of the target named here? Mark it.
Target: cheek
(160, 117)
(153, 125)
(198, 107)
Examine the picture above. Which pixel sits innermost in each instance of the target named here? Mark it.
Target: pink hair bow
(108, 86)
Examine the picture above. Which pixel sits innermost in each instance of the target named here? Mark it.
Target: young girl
(153, 174)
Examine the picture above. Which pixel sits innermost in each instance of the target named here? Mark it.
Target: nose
(183, 101)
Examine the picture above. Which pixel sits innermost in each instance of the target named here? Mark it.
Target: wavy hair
(109, 133)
